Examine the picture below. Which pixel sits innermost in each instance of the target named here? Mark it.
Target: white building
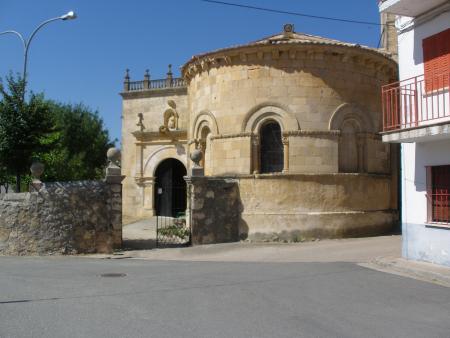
(417, 115)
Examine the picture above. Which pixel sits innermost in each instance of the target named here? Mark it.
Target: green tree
(23, 125)
(71, 140)
(80, 142)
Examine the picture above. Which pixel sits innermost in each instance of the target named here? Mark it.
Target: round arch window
(271, 148)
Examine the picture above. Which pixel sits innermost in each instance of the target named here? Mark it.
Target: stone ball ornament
(196, 156)
(37, 169)
(114, 155)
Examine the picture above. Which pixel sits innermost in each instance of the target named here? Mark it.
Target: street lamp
(26, 43)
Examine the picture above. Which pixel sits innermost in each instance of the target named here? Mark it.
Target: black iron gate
(172, 231)
(170, 204)
(170, 188)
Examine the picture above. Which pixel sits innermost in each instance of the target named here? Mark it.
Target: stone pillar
(114, 180)
(255, 154)
(139, 160)
(148, 184)
(214, 210)
(285, 141)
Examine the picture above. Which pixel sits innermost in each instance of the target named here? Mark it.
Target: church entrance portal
(170, 188)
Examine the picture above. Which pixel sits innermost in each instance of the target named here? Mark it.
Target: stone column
(113, 181)
(139, 160)
(148, 203)
(360, 139)
(255, 154)
(285, 141)
(202, 147)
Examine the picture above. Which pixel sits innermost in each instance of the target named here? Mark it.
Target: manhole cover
(113, 274)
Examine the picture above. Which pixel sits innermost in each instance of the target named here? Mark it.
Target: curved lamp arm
(26, 43)
(17, 34)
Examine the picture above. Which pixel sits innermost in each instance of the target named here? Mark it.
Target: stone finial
(196, 156)
(288, 30)
(113, 171)
(37, 169)
(146, 79)
(126, 81)
(114, 156)
(169, 76)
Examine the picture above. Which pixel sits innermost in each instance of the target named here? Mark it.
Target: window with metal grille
(271, 148)
(436, 60)
(438, 193)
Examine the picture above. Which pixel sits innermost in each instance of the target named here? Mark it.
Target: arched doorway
(271, 148)
(170, 188)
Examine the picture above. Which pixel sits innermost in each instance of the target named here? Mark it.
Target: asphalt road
(67, 297)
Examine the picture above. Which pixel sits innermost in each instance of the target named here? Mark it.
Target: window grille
(438, 194)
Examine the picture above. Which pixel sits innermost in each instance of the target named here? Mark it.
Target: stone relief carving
(170, 118)
(140, 124)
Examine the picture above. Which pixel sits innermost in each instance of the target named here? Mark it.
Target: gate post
(113, 180)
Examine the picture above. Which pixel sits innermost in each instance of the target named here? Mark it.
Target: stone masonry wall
(62, 218)
(290, 207)
(215, 210)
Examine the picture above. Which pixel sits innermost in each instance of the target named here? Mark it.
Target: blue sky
(84, 60)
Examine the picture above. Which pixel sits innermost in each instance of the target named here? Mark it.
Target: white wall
(415, 156)
(422, 242)
(410, 43)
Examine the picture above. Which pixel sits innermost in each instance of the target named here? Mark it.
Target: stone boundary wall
(290, 207)
(214, 210)
(62, 218)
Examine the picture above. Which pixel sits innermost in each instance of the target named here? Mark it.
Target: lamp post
(26, 43)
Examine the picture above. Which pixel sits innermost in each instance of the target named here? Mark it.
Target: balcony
(410, 8)
(133, 86)
(149, 88)
(416, 108)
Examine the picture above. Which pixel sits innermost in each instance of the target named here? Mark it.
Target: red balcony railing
(416, 102)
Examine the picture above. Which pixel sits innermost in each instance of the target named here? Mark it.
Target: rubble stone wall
(62, 218)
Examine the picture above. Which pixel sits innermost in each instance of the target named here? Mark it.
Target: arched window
(271, 148)
(348, 147)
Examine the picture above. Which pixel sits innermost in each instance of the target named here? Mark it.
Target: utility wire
(295, 13)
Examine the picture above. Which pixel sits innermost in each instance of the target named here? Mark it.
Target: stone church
(293, 118)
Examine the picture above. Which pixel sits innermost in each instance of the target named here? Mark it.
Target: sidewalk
(355, 250)
(423, 271)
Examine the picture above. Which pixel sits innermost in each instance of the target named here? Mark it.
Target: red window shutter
(440, 194)
(436, 60)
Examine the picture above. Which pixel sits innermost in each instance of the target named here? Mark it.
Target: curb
(423, 271)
